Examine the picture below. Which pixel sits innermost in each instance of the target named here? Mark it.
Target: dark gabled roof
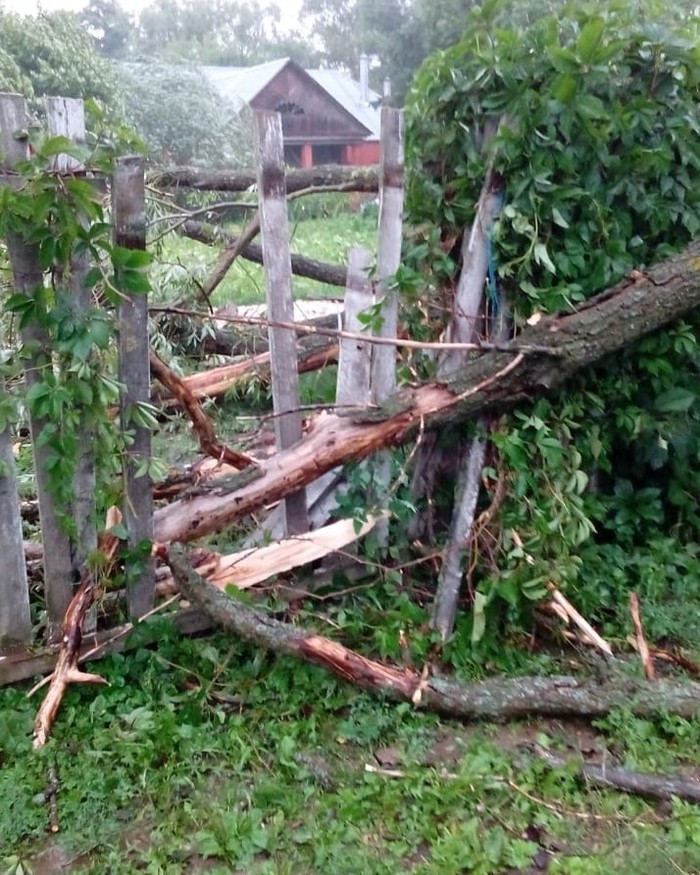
(241, 85)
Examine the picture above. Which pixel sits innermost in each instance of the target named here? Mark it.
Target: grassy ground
(204, 755)
(325, 238)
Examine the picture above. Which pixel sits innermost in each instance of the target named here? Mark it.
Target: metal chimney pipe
(387, 87)
(364, 78)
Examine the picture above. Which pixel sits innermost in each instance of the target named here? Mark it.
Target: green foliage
(182, 119)
(50, 54)
(593, 121)
(62, 218)
(206, 754)
(597, 146)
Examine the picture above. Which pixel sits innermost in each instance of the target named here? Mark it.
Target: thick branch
(493, 699)
(362, 179)
(493, 382)
(203, 426)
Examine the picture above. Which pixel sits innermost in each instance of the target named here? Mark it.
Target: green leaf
(590, 39)
(542, 257)
(675, 401)
(558, 219)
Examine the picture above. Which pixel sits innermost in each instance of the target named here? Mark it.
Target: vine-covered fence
(82, 250)
(53, 210)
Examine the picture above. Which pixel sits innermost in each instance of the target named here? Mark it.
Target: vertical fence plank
(274, 226)
(28, 279)
(65, 116)
(15, 620)
(128, 204)
(388, 260)
(354, 361)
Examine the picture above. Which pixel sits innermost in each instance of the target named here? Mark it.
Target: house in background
(327, 117)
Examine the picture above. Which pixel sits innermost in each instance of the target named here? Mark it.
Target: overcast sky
(289, 8)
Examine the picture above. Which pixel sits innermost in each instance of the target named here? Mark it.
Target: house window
(288, 107)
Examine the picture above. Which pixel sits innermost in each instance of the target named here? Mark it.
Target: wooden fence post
(274, 225)
(15, 619)
(383, 379)
(28, 279)
(65, 117)
(355, 358)
(128, 204)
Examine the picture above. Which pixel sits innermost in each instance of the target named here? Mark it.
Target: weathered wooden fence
(64, 557)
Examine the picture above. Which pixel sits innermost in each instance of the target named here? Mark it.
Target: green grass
(205, 755)
(184, 262)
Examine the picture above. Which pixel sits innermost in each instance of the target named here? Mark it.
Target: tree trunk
(351, 178)
(543, 357)
(496, 698)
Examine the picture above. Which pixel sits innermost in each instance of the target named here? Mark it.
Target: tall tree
(109, 25)
(227, 32)
(398, 34)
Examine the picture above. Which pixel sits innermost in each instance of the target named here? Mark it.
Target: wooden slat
(65, 117)
(128, 201)
(274, 226)
(26, 664)
(28, 279)
(383, 379)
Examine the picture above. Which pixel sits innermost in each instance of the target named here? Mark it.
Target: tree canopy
(51, 54)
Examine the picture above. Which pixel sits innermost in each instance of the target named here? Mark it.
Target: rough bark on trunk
(496, 698)
(361, 179)
(543, 357)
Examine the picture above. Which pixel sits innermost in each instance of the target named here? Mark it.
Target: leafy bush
(595, 120)
(50, 54)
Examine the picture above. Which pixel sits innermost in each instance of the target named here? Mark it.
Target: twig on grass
(642, 646)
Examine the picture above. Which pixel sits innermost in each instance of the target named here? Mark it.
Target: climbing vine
(64, 219)
(596, 119)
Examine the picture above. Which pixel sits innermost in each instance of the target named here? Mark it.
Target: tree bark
(543, 357)
(496, 698)
(362, 179)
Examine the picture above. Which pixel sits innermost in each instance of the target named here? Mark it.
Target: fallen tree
(496, 698)
(360, 179)
(542, 357)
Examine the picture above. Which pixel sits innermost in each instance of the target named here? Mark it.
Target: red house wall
(361, 154)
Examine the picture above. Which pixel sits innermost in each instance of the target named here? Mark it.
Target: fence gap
(129, 208)
(274, 225)
(29, 279)
(383, 372)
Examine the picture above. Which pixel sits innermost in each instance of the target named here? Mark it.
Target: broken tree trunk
(497, 698)
(543, 357)
(66, 671)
